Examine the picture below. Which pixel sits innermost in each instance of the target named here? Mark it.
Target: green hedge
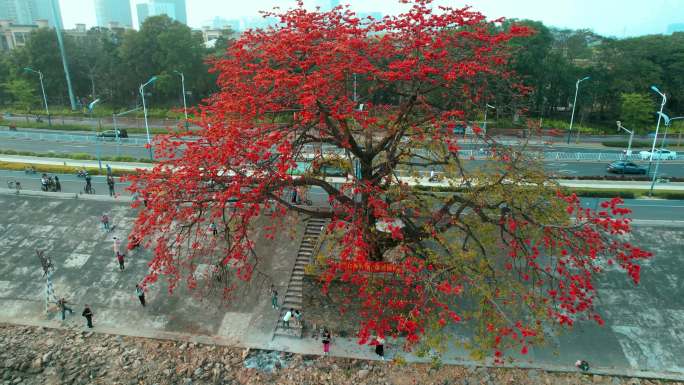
(76, 156)
(57, 169)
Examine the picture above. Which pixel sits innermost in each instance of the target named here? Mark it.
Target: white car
(658, 154)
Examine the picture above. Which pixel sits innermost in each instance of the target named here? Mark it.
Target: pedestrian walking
(327, 338)
(286, 318)
(64, 308)
(117, 245)
(105, 222)
(380, 347)
(110, 184)
(213, 228)
(582, 365)
(88, 314)
(120, 258)
(298, 316)
(141, 294)
(58, 186)
(274, 297)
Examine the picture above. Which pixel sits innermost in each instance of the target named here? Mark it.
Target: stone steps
(294, 295)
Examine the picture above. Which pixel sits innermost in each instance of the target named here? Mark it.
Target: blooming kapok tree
(498, 252)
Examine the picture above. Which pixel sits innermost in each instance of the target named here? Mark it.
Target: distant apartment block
(27, 12)
(174, 9)
(113, 11)
(14, 36)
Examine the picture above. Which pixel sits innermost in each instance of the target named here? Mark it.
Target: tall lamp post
(660, 115)
(147, 127)
(631, 136)
(97, 137)
(487, 106)
(668, 121)
(572, 117)
(185, 106)
(42, 88)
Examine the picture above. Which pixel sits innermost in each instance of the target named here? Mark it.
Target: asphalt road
(110, 148)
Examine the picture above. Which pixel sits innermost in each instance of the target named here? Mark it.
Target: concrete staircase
(294, 296)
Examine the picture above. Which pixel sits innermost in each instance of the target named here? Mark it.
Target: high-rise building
(174, 9)
(26, 12)
(117, 11)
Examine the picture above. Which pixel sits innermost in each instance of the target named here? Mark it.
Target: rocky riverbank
(35, 355)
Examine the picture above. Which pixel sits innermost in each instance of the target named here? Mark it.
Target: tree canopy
(500, 252)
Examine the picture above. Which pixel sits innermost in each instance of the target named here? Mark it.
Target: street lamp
(487, 106)
(97, 138)
(668, 121)
(147, 127)
(631, 136)
(660, 115)
(572, 117)
(185, 106)
(42, 87)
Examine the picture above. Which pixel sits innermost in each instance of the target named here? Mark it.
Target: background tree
(501, 254)
(637, 111)
(21, 94)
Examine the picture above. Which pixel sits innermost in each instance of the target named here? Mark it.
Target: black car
(622, 167)
(113, 134)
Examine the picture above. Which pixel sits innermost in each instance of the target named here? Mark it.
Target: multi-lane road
(109, 148)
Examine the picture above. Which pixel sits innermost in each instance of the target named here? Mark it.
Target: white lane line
(633, 205)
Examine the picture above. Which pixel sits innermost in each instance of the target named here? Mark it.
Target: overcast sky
(607, 17)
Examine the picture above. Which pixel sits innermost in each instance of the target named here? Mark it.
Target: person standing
(141, 294)
(105, 222)
(88, 186)
(274, 297)
(64, 308)
(58, 186)
(88, 314)
(120, 258)
(213, 228)
(110, 184)
(298, 317)
(327, 338)
(380, 347)
(109, 170)
(286, 318)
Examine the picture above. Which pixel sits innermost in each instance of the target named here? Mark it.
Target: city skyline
(27, 11)
(601, 17)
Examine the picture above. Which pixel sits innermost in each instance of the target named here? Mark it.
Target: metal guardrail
(68, 137)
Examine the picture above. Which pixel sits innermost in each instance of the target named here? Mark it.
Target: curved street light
(572, 117)
(185, 106)
(667, 121)
(147, 127)
(660, 115)
(42, 87)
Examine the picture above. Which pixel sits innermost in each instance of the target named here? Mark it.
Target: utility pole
(60, 42)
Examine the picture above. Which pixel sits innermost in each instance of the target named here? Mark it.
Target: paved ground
(643, 333)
